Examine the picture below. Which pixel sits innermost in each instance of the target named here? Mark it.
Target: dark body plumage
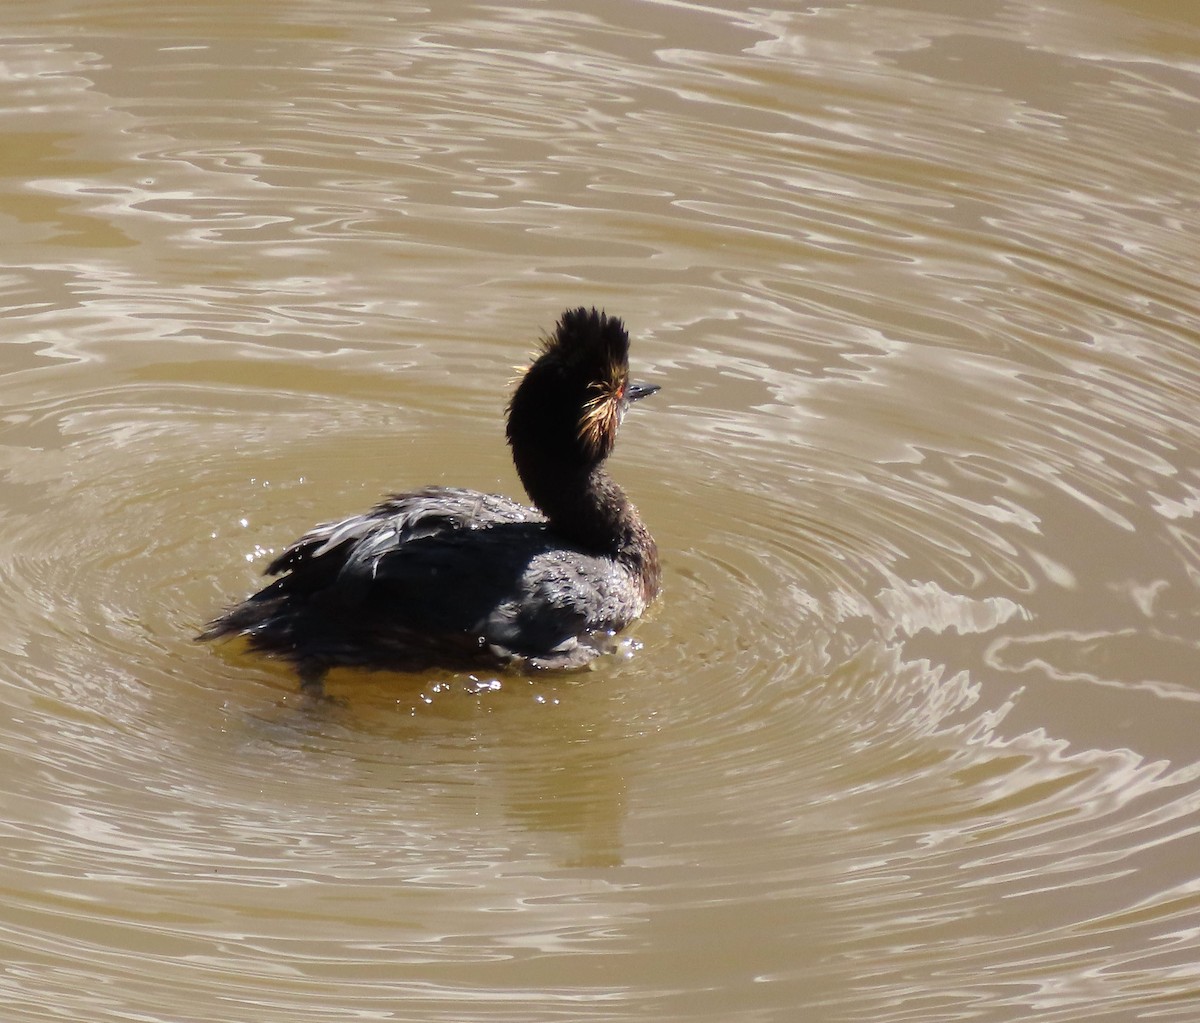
(457, 578)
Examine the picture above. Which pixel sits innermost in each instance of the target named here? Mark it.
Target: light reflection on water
(910, 736)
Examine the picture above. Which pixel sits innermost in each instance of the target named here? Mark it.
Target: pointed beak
(635, 391)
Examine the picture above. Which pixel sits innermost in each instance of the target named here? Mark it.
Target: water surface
(911, 735)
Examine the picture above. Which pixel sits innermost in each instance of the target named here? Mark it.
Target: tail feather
(246, 618)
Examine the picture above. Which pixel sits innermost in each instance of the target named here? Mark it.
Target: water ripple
(908, 736)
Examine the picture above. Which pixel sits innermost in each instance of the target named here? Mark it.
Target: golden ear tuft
(602, 412)
(597, 425)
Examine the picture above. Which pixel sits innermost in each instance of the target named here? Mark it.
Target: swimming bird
(456, 578)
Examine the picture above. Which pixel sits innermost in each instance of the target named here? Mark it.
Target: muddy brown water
(911, 735)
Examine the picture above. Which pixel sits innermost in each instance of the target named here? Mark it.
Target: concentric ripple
(911, 734)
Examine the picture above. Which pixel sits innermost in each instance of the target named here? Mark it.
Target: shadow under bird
(455, 578)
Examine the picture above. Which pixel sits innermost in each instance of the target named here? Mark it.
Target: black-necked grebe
(455, 578)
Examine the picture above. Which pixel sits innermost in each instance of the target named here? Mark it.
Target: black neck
(589, 508)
